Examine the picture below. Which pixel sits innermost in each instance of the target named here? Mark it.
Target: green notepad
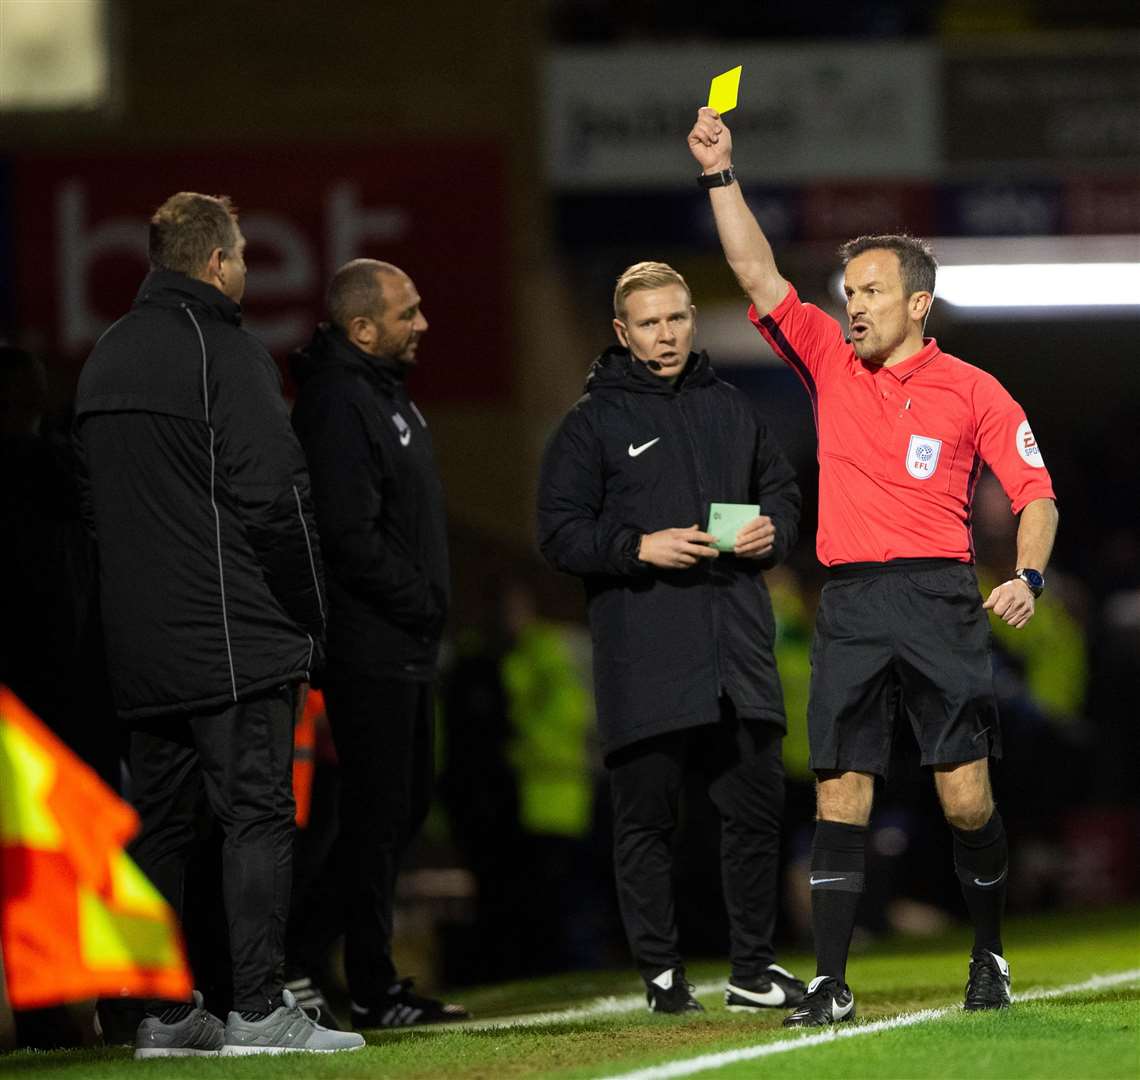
(725, 520)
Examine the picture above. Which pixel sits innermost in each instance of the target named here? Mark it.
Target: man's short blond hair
(188, 227)
(645, 275)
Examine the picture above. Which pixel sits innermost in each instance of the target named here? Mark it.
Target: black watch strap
(717, 179)
(1033, 578)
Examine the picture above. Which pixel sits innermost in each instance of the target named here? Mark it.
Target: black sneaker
(988, 986)
(403, 1007)
(310, 996)
(826, 1002)
(670, 993)
(775, 988)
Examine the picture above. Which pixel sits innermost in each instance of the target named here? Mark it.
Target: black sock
(837, 863)
(172, 1014)
(255, 1016)
(981, 858)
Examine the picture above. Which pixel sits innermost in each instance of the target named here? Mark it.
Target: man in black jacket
(196, 492)
(685, 677)
(380, 509)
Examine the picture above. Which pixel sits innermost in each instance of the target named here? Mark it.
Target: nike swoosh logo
(838, 1013)
(406, 437)
(775, 996)
(824, 880)
(984, 884)
(635, 450)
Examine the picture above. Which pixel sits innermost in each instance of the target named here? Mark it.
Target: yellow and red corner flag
(78, 919)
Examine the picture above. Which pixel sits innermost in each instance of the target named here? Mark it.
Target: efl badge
(402, 428)
(922, 456)
(1027, 446)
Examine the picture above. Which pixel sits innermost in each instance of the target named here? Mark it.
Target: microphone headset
(653, 365)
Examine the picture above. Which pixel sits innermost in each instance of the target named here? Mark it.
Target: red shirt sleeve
(802, 335)
(1007, 445)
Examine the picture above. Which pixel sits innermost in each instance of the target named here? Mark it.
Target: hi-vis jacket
(636, 455)
(196, 491)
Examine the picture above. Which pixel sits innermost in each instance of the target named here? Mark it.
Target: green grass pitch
(595, 1024)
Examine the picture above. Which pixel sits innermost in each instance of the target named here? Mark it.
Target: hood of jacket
(616, 369)
(170, 289)
(329, 349)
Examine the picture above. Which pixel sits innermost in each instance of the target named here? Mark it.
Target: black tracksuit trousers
(240, 759)
(383, 730)
(741, 766)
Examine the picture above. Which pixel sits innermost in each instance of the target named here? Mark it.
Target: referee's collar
(917, 362)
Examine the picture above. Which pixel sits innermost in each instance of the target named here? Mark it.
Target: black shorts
(907, 636)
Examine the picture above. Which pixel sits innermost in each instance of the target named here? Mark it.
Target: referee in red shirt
(904, 429)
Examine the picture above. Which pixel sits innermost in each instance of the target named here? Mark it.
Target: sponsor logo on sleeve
(1027, 446)
(922, 456)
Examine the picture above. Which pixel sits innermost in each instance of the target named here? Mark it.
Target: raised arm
(745, 245)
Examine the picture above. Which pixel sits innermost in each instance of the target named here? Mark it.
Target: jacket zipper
(701, 495)
(214, 502)
(316, 580)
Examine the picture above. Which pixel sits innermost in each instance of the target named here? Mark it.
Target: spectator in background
(1051, 666)
(51, 645)
(478, 788)
(550, 724)
(518, 785)
(1041, 684)
(380, 509)
(685, 679)
(196, 493)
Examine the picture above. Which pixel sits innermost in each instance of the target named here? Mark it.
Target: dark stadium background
(425, 133)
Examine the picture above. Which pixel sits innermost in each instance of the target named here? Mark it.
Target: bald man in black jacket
(380, 509)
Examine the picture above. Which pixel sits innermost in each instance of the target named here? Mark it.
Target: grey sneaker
(288, 1029)
(201, 1034)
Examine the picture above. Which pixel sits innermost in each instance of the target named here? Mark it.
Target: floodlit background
(514, 157)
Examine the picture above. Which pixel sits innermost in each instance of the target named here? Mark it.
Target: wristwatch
(1033, 578)
(717, 179)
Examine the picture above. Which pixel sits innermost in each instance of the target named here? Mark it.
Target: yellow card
(723, 91)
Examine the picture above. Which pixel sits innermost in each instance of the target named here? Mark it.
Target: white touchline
(629, 1003)
(749, 1053)
(606, 1006)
